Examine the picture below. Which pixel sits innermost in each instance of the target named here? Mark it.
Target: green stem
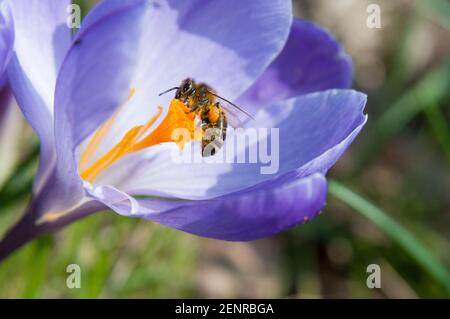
(432, 89)
(436, 10)
(439, 126)
(20, 182)
(395, 231)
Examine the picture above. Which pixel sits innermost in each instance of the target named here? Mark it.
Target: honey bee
(214, 116)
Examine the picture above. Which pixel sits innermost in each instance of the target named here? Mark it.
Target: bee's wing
(236, 116)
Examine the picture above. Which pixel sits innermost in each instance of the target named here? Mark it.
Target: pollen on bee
(140, 137)
(213, 114)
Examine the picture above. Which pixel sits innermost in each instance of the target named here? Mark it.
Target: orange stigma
(178, 126)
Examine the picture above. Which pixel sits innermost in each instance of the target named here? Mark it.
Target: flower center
(138, 138)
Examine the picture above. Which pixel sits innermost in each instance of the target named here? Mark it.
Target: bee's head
(186, 88)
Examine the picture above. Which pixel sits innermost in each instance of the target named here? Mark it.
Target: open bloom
(93, 101)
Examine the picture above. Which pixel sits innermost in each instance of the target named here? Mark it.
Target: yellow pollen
(138, 137)
(100, 134)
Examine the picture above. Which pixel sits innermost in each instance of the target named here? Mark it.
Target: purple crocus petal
(115, 199)
(225, 43)
(41, 41)
(96, 75)
(311, 61)
(6, 38)
(316, 128)
(262, 211)
(314, 131)
(93, 80)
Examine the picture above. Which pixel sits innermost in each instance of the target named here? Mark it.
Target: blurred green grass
(119, 257)
(400, 163)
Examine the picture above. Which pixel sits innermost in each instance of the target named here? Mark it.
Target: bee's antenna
(218, 96)
(167, 91)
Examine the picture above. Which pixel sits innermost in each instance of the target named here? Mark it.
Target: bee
(214, 116)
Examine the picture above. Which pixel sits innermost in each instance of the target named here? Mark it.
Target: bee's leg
(206, 111)
(193, 109)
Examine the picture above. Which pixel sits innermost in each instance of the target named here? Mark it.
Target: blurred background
(399, 163)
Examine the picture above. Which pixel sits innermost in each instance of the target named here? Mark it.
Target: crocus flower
(93, 100)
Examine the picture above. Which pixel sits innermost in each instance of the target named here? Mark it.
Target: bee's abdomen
(214, 134)
(223, 124)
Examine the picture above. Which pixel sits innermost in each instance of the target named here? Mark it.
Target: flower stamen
(100, 134)
(137, 138)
